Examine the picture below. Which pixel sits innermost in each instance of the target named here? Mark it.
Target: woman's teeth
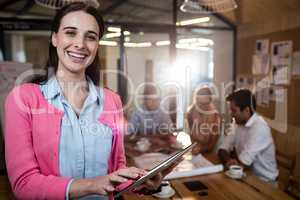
(76, 55)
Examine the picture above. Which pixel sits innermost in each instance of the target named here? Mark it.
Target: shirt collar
(93, 91)
(54, 90)
(251, 120)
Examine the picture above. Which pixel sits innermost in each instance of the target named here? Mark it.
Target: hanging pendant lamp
(208, 6)
(57, 4)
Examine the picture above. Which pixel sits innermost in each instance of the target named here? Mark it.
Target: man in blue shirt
(150, 118)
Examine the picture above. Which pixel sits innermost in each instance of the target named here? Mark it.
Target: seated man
(251, 138)
(150, 118)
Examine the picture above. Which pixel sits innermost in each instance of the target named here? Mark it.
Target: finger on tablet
(114, 178)
(131, 172)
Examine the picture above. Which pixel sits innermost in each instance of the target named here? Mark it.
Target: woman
(204, 121)
(63, 136)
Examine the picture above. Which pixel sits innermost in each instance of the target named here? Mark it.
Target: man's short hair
(243, 98)
(150, 89)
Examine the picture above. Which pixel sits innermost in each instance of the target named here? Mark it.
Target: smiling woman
(72, 28)
(76, 42)
(70, 130)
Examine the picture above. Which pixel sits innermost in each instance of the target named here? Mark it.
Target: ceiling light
(129, 44)
(193, 21)
(112, 35)
(141, 44)
(126, 33)
(116, 34)
(127, 39)
(108, 43)
(198, 41)
(117, 30)
(113, 29)
(189, 47)
(163, 43)
(144, 44)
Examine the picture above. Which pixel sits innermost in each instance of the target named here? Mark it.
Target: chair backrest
(296, 171)
(286, 165)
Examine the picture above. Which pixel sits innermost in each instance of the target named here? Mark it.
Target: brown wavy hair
(93, 70)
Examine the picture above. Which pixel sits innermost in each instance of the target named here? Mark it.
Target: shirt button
(82, 122)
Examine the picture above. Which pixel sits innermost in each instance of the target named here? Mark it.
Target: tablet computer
(160, 167)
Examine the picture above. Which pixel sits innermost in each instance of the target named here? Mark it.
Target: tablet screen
(160, 167)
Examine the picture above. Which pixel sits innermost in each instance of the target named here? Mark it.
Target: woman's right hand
(103, 185)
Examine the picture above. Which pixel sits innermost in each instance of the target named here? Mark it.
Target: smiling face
(241, 116)
(76, 41)
(203, 96)
(203, 99)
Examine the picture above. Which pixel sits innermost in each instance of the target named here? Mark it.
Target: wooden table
(220, 187)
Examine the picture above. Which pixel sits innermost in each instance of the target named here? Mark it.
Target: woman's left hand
(154, 182)
(197, 149)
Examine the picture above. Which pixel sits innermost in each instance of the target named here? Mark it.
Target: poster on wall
(263, 88)
(281, 61)
(296, 63)
(245, 82)
(261, 58)
(260, 64)
(262, 46)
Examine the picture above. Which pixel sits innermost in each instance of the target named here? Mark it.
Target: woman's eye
(91, 37)
(71, 33)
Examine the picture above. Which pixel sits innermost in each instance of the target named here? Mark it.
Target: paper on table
(190, 166)
(193, 166)
(194, 172)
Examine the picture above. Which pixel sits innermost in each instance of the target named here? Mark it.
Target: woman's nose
(79, 42)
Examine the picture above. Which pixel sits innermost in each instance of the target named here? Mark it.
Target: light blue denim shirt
(144, 121)
(85, 143)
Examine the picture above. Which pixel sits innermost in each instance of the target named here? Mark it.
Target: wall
(223, 65)
(258, 17)
(111, 56)
(33, 46)
(287, 144)
(223, 57)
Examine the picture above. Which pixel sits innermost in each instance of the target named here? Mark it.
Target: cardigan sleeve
(24, 173)
(122, 128)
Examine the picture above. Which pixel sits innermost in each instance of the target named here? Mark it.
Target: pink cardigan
(32, 134)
